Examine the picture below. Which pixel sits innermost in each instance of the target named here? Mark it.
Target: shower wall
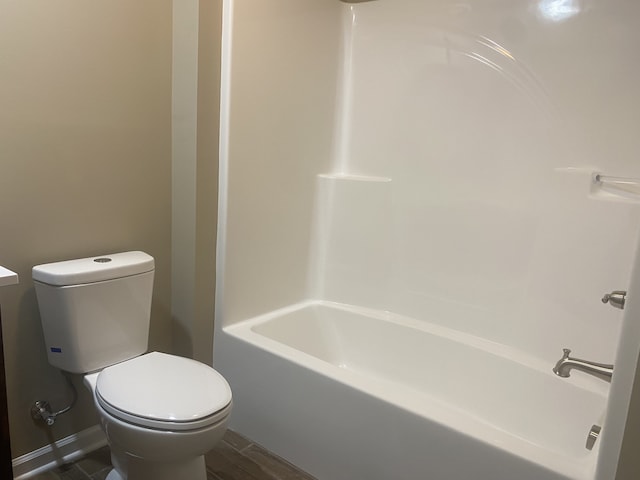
(283, 76)
(462, 191)
(435, 159)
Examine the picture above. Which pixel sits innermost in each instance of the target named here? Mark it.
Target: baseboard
(64, 450)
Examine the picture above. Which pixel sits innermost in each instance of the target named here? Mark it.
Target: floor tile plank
(241, 461)
(95, 461)
(236, 440)
(226, 469)
(278, 467)
(234, 458)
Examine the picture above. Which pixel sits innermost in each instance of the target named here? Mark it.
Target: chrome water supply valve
(41, 411)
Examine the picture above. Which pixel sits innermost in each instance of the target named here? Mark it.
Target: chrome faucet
(566, 364)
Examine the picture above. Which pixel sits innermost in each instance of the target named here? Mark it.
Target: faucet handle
(615, 299)
(565, 353)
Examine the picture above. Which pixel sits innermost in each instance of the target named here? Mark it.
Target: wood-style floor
(235, 458)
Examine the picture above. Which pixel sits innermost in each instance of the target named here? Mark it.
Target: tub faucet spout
(566, 364)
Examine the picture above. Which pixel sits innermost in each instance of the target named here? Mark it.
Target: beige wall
(196, 85)
(209, 44)
(629, 462)
(85, 169)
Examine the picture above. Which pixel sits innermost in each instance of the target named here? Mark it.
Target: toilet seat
(162, 391)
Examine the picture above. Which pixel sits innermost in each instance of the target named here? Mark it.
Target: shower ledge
(7, 277)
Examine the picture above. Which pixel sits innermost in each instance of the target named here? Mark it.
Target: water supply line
(41, 409)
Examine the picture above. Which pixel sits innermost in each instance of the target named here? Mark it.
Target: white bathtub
(324, 384)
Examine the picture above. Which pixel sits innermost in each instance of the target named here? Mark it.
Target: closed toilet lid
(161, 390)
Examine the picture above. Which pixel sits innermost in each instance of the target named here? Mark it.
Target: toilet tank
(95, 311)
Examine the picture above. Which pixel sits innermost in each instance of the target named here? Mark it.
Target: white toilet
(161, 413)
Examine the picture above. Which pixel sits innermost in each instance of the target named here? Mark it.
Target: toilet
(161, 413)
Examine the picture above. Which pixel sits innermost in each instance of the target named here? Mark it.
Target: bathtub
(325, 384)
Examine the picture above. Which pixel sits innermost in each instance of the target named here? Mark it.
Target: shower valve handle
(615, 299)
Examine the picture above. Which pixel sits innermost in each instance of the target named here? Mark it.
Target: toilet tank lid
(93, 269)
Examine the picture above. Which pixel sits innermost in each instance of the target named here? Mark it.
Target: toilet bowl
(161, 413)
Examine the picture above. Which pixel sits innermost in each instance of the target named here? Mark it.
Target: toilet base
(138, 469)
(141, 453)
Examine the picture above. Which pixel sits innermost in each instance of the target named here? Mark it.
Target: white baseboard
(64, 450)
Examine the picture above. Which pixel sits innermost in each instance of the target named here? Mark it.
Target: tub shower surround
(434, 216)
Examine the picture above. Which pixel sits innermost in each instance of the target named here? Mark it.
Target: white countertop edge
(7, 277)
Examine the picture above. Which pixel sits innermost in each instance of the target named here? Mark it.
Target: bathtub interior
(470, 384)
(435, 161)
